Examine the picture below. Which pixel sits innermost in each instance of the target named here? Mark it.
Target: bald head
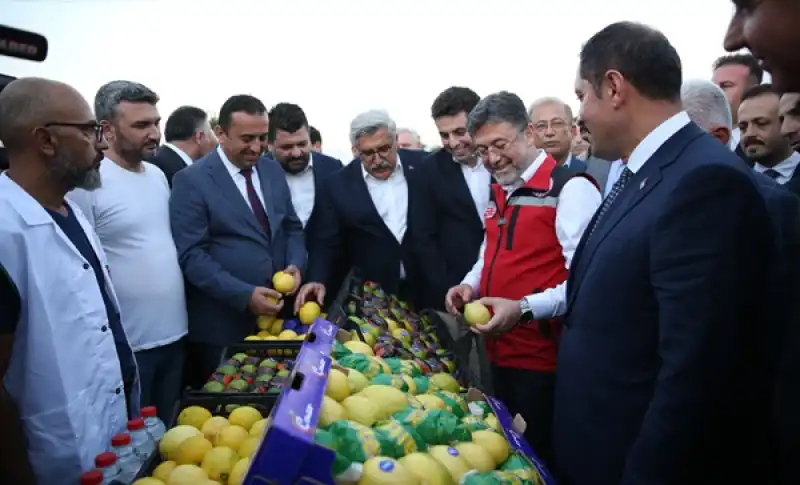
(30, 102)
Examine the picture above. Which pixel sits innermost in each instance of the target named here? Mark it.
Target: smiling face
(506, 150)
(761, 130)
(455, 137)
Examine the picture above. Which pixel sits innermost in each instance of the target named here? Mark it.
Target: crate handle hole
(297, 382)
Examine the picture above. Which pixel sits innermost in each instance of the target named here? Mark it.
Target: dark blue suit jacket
(448, 230)
(349, 225)
(661, 376)
(222, 249)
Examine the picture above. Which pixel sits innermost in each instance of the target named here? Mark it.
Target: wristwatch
(525, 310)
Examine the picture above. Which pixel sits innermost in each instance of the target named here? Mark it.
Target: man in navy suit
(364, 213)
(554, 131)
(234, 226)
(661, 377)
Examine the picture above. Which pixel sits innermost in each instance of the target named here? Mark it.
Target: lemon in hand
(308, 312)
(283, 282)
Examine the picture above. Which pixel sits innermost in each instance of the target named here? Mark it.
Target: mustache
(752, 141)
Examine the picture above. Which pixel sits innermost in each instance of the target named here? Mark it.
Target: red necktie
(255, 202)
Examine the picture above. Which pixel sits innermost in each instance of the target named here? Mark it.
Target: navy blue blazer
(661, 375)
(448, 230)
(350, 226)
(222, 249)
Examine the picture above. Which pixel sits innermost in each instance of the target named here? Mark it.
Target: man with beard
(130, 214)
(762, 140)
(453, 194)
(68, 373)
(789, 113)
(768, 29)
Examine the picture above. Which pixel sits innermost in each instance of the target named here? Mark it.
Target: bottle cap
(135, 424)
(94, 477)
(105, 459)
(121, 439)
(149, 412)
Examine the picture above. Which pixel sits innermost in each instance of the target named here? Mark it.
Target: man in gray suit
(234, 226)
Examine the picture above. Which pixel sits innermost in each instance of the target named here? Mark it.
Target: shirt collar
(655, 139)
(527, 174)
(186, 158)
(736, 135)
(232, 169)
(397, 169)
(786, 168)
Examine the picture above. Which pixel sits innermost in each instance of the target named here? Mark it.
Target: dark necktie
(255, 202)
(616, 189)
(773, 174)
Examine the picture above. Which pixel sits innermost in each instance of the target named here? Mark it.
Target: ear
(615, 87)
(45, 141)
(108, 130)
(530, 135)
(721, 133)
(219, 131)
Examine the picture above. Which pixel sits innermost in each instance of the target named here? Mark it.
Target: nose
(296, 152)
(734, 37)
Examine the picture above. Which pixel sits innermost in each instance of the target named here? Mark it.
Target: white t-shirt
(130, 214)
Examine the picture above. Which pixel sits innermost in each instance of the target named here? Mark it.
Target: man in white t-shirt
(130, 214)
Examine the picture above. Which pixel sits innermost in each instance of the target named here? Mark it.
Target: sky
(339, 58)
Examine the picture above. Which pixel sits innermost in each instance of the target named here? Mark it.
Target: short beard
(72, 177)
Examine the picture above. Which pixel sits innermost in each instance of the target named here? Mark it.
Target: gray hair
(551, 100)
(502, 107)
(110, 95)
(370, 122)
(706, 104)
(413, 133)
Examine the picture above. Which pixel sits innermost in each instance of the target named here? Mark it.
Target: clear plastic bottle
(143, 444)
(155, 427)
(107, 463)
(127, 459)
(93, 477)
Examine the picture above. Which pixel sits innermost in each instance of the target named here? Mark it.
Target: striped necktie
(616, 189)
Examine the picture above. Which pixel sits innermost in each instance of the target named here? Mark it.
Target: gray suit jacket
(598, 169)
(223, 251)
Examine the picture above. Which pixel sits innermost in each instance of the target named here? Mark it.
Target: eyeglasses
(91, 128)
(382, 151)
(497, 147)
(556, 124)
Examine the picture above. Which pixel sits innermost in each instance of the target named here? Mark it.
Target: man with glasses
(536, 216)
(66, 365)
(553, 131)
(364, 213)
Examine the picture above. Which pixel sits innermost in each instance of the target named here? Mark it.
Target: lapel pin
(641, 186)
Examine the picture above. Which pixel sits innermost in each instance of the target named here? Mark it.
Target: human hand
(456, 298)
(295, 272)
(265, 301)
(309, 292)
(505, 315)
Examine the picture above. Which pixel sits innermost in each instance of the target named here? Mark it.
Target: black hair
(758, 90)
(183, 123)
(643, 55)
(285, 117)
(453, 101)
(315, 135)
(239, 103)
(502, 107)
(743, 59)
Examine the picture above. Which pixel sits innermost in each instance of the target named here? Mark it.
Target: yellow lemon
(244, 416)
(276, 327)
(194, 416)
(192, 450)
(359, 347)
(476, 313)
(250, 446)
(308, 312)
(232, 436)
(287, 335)
(148, 481)
(252, 337)
(239, 471)
(174, 437)
(219, 462)
(494, 443)
(338, 387)
(187, 475)
(330, 411)
(213, 426)
(265, 321)
(163, 470)
(283, 282)
(260, 427)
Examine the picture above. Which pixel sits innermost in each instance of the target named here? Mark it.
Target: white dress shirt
(577, 203)
(614, 171)
(785, 168)
(390, 197)
(736, 136)
(479, 182)
(240, 181)
(302, 187)
(186, 158)
(553, 302)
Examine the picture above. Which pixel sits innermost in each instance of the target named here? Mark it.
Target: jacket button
(85, 265)
(118, 390)
(104, 328)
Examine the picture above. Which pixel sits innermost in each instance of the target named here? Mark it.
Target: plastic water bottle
(107, 463)
(127, 459)
(155, 427)
(143, 444)
(94, 477)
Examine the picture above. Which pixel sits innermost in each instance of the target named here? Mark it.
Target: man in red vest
(536, 217)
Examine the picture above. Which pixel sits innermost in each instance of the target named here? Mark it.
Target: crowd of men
(641, 259)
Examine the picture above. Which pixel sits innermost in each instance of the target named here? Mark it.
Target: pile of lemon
(208, 450)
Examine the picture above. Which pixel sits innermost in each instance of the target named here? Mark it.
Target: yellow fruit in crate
(476, 456)
(443, 382)
(162, 471)
(263, 334)
(357, 381)
(384, 366)
(149, 481)
(287, 335)
(361, 410)
(451, 459)
(359, 347)
(232, 437)
(330, 411)
(265, 321)
(219, 463)
(276, 327)
(493, 442)
(283, 282)
(270, 337)
(174, 437)
(412, 386)
(187, 475)
(476, 314)
(249, 447)
(192, 450)
(252, 337)
(244, 416)
(431, 402)
(492, 422)
(427, 469)
(260, 427)
(308, 312)
(337, 387)
(381, 470)
(194, 416)
(323, 315)
(239, 471)
(388, 399)
(392, 325)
